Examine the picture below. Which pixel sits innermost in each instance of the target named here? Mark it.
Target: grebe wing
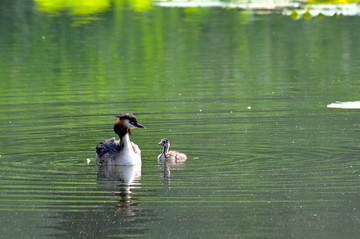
(107, 146)
(179, 157)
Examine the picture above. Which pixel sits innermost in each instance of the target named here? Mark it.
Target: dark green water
(243, 95)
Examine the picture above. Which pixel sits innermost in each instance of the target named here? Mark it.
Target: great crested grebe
(122, 151)
(169, 155)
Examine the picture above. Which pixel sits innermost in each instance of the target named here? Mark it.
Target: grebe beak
(137, 125)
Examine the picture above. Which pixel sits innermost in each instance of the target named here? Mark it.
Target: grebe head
(164, 142)
(125, 123)
(129, 120)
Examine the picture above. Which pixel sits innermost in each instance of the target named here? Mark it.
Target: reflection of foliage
(331, 1)
(75, 7)
(140, 5)
(82, 10)
(309, 12)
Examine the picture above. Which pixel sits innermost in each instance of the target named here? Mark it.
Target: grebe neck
(121, 130)
(124, 140)
(165, 150)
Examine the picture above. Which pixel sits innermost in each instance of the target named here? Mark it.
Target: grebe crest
(122, 151)
(169, 155)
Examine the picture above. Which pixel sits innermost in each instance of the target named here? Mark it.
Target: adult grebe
(123, 151)
(169, 155)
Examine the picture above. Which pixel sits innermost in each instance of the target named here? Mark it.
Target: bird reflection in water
(121, 180)
(169, 160)
(167, 166)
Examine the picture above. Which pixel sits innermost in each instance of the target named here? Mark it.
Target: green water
(243, 95)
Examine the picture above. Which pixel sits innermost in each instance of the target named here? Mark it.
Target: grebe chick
(122, 151)
(170, 155)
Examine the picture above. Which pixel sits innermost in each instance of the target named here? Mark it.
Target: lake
(244, 95)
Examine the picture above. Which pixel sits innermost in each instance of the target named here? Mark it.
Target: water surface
(243, 95)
